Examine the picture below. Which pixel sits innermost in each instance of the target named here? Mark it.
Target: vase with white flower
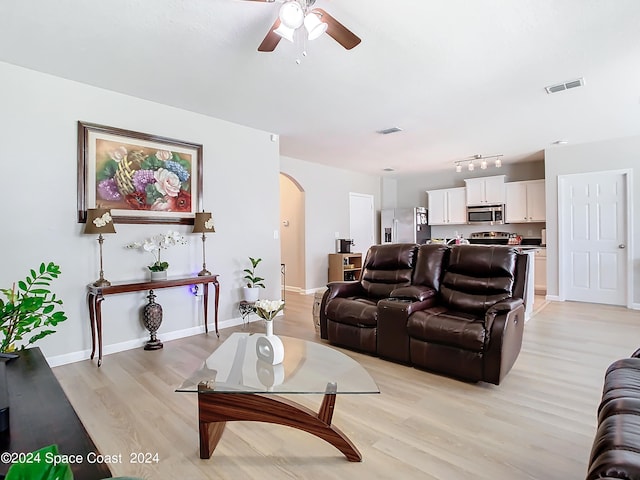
(269, 348)
(155, 245)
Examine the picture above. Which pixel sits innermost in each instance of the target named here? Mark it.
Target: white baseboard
(311, 291)
(635, 306)
(293, 289)
(81, 355)
(553, 298)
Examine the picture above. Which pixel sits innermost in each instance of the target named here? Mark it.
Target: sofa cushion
(353, 311)
(478, 277)
(387, 267)
(445, 327)
(430, 263)
(622, 380)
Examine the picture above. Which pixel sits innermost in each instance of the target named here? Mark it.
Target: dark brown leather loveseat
(616, 447)
(454, 310)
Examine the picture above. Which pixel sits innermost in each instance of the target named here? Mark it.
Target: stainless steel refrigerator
(404, 225)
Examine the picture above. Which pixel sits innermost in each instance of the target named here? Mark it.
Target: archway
(292, 233)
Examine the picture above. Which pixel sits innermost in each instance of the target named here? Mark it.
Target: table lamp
(99, 221)
(203, 223)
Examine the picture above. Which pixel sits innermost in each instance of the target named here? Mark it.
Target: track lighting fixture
(482, 159)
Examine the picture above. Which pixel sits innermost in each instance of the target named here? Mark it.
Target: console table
(96, 295)
(41, 415)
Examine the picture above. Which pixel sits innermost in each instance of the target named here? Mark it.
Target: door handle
(622, 245)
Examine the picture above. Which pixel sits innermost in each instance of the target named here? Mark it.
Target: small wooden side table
(95, 297)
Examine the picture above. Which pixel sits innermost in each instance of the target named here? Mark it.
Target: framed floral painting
(142, 178)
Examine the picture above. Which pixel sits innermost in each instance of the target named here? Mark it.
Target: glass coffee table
(234, 385)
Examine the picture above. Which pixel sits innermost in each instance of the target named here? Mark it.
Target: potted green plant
(254, 283)
(30, 307)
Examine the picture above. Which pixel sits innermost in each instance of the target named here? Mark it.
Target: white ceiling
(461, 77)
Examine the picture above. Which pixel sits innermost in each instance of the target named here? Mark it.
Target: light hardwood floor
(539, 424)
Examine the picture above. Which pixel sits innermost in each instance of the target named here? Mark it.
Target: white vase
(269, 348)
(161, 275)
(251, 294)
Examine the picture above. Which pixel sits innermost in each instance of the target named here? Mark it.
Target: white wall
(326, 210)
(241, 188)
(623, 153)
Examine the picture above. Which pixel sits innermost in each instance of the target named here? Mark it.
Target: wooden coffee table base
(215, 409)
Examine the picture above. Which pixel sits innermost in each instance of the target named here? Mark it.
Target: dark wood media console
(40, 415)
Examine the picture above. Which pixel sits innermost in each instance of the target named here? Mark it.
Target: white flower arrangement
(268, 309)
(156, 244)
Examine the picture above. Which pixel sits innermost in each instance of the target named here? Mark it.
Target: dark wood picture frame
(125, 171)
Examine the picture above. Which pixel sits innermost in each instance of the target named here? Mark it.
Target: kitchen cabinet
(525, 202)
(540, 269)
(344, 267)
(447, 206)
(485, 190)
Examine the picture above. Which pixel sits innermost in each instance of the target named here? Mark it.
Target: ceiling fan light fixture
(291, 15)
(285, 32)
(314, 26)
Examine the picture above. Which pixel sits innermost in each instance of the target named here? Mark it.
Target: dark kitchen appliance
(343, 245)
(489, 238)
(488, 214)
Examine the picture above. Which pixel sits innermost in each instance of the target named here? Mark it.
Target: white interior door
(361, 222)
(593, 249)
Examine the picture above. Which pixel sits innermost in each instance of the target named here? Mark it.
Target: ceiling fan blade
(272, 39)
(337, 31)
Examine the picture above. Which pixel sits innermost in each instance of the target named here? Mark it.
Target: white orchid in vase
(154, 245)
(267, 310)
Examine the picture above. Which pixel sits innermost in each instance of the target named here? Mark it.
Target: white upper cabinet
(447, 206)
(525, 202)
(485, 190)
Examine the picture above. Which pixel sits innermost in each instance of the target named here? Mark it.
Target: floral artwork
(130, 177)
(140, 177)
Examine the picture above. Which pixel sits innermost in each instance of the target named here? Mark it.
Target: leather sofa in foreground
(457, 310)
(616, 448)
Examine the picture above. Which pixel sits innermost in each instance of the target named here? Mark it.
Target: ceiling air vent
(387, 131)
(565, 86)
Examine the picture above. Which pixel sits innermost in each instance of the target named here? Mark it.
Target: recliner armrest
(337, 289)
(345, 289)
(505, 305)
(416, 293)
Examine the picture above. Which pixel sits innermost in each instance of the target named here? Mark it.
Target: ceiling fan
(297, 13)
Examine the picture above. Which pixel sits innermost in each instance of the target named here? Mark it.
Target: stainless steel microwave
(488, 215)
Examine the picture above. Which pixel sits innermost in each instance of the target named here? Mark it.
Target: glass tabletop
(308, 367)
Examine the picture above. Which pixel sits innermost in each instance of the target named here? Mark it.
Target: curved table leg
(215, 409)
(92, 318)
(98, 312)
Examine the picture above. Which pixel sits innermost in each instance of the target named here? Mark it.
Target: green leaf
(22, 286)
(151, 163)
(107, 171)
(42, 268)
(59, 316)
